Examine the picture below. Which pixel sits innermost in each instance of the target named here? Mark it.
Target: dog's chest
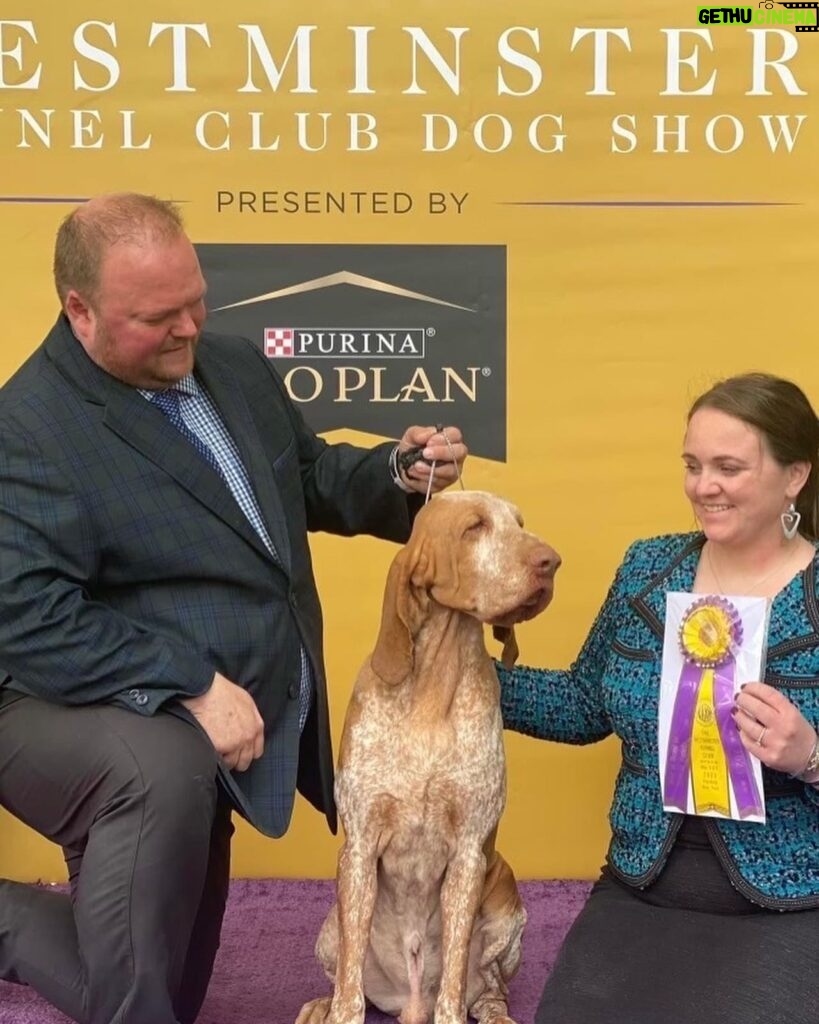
(427, 780)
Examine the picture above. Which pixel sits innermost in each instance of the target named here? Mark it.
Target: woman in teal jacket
(686, 923)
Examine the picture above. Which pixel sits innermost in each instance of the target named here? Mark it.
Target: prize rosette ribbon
(703, 743)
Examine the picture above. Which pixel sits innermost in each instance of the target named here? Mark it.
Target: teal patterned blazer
(613, 687)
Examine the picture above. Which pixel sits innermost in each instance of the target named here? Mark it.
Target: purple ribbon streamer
(740, 770)
(678, 759)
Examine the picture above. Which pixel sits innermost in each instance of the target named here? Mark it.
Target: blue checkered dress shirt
(201, 417)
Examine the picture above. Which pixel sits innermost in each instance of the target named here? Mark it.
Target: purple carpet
(265, 969)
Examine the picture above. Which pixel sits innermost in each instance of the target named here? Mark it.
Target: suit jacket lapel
(147, 430)
(238, 419)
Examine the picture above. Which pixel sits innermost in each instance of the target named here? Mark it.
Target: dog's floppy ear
(506, 635)
(406, 603)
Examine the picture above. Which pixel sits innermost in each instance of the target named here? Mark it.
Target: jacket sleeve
(567, 705)
(56, 642)
(347, 490)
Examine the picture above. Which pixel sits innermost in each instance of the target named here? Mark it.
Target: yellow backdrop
(617, 314)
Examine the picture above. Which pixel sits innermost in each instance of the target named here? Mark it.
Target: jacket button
(294, 601)
(142, 699)
(133, 694)
(293, 691)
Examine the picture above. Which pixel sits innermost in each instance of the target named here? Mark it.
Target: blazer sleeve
(56, 642)
(567, 705)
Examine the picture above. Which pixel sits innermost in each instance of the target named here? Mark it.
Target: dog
(427, 922)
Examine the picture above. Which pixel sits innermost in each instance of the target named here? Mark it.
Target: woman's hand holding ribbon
(772, 728)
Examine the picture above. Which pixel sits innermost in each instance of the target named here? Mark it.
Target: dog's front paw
(329, 1010)
(315, 1012)
(492, 1013)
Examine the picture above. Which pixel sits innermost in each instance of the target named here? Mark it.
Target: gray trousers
(133, 802)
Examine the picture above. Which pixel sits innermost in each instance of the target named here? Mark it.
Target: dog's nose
(545, 560)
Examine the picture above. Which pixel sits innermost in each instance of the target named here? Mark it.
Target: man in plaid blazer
(160, 630)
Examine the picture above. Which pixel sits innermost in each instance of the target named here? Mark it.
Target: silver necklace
(758, 583)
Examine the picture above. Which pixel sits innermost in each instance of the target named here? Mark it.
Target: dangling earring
(790, 521)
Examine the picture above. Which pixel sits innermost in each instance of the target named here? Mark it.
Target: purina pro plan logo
(374, 337)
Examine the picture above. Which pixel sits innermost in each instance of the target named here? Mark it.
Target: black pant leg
(207, 928)
(137, 796)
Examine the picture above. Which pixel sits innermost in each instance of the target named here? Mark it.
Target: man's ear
(510, 652)
(80, 315)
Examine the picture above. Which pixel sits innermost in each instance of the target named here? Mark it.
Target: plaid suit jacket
(128, 573)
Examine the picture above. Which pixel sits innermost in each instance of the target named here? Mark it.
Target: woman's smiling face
(736, 487)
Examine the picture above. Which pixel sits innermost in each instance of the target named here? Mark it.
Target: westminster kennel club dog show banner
(550, 225)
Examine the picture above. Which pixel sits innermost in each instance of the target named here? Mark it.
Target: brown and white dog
(428, 920)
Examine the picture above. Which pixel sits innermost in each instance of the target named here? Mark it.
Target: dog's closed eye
(475, 526)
